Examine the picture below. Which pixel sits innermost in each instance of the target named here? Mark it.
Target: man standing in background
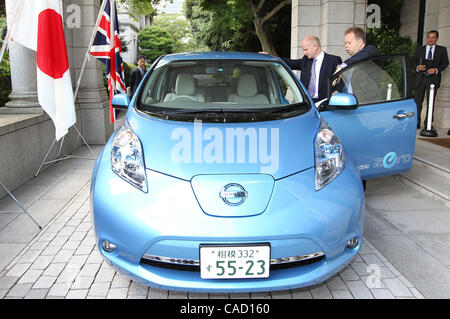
(137, 74)
(430, 60)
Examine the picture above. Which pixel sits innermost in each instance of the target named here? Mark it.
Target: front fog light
(108, 246)
(127, 159)
(352, 243)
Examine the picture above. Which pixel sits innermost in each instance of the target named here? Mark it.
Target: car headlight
(329, 156)
(127, 159)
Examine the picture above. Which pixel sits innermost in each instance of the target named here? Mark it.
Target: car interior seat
(247, 91)
(185, 89)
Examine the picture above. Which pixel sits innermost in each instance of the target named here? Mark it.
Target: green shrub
(389, 41)
(154, 41)
(5, 80)
(127, 68)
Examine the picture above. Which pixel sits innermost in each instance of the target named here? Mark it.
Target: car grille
(194, 265)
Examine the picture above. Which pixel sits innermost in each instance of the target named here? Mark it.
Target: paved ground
(61, 260)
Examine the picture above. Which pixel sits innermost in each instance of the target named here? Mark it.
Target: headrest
(185, 84)
(247, 85)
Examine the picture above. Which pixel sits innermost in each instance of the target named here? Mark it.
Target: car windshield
(221, 90)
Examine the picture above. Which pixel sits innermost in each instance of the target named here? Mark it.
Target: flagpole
(5, 43)
(100, 14)
(20, 205)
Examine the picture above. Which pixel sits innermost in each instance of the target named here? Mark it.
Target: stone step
(429, 178)
(433, 165)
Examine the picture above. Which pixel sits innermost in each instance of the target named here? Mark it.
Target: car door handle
(403, 115)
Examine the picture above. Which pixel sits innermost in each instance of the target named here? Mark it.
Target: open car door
(379, 132)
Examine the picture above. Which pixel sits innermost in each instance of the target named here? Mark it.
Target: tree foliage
(5, 71)
(154, 41)
(263, 11)
(228, 25)
(137, 8)
(387, 38)
(179, 29)
(221, 25)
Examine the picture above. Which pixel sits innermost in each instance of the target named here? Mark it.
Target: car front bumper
(168, 221)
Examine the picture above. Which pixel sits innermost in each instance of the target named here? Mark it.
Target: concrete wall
(25, 139)
(92, 97)
(442, 113)
(327, 19)
(410, 19)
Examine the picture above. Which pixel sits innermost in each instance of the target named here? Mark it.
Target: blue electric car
(226, 177)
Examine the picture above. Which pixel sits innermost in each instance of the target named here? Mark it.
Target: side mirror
(120, 102)
(342, 101)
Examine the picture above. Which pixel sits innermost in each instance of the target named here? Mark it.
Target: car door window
(378, 80)
(379, 134)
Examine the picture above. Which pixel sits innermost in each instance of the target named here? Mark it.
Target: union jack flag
(107, 48)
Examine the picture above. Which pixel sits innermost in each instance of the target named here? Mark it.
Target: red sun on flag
(51, 57)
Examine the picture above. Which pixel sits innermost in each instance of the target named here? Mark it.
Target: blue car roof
(219, 56)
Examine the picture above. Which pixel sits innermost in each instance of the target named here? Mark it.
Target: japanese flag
(39, 26)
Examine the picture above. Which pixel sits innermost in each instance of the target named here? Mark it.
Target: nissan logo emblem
(233, 194)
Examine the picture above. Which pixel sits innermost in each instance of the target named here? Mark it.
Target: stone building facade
(326, 19)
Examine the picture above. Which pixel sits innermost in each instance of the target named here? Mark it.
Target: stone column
(442, 110)
(23, 75)
(92, 96)
(326, 19)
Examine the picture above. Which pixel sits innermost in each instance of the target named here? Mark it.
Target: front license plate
(234, 261)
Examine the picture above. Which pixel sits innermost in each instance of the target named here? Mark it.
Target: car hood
(185, 149)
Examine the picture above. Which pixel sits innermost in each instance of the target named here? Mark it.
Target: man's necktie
(429, 57)
(312, 80)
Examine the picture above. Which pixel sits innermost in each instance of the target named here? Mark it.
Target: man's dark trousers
(424, 86)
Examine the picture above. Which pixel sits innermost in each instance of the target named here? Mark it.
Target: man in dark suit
(316, 67)
(355, 46)
(430, 60)
(137, 74)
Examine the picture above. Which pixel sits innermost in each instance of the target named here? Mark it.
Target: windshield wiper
(284, 108)
(215, 111)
